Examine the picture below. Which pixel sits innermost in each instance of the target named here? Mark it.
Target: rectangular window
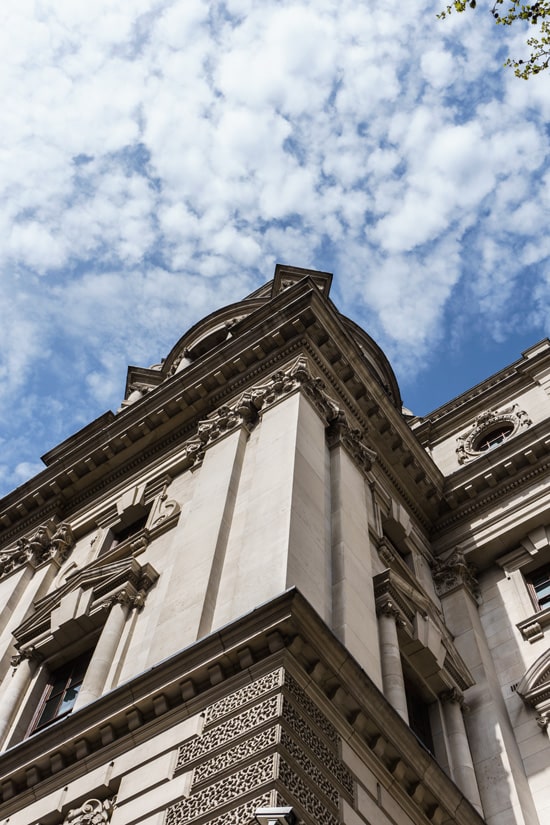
(61, 691)
(539, 587)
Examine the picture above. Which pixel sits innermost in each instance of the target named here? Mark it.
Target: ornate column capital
(543, 720)
(452, 696)
(389, 609)
(340, 434)
(454, 572)
(29, 653)
(91, 812)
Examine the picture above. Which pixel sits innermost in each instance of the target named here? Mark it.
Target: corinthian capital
(453, 572)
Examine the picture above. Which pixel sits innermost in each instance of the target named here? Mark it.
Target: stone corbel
(531, 631)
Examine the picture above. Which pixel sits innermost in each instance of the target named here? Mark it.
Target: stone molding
(91, 812)
(50, 542)
(340, 434)
(485, 422)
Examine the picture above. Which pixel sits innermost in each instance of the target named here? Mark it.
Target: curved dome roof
(214, 329)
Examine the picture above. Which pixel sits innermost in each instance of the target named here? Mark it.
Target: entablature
(299, 319)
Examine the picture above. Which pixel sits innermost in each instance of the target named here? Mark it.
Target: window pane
(62, 690)
(68, 700)
(49, 713)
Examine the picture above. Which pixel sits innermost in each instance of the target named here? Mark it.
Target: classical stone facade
(261, 592)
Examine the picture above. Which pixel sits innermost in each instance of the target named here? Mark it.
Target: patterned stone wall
(266, 744)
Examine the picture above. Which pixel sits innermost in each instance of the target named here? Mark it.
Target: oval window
(493, 437)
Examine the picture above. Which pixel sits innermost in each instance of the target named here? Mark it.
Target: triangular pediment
(287, 276)
(101, 580)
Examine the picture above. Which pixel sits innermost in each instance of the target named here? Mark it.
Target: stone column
(105, 650)
(460, 757)
(392, 671)
(15, 687)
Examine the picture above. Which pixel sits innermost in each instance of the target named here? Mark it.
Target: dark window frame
(538, 584)
(493, 437)
(60, 693)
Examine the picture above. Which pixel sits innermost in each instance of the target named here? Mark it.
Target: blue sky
(158, 157)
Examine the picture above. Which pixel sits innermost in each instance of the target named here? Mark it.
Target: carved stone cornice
(454, 572)
(246, 411)
(91, 812)
(50, 542)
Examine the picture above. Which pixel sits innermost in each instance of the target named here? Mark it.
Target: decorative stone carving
(453, 695)
(486, 421)
(226, 732)
(29, 653)
(126, 577)
(50, 541)
(245, 695)
(543, 720)
(532, 632)
(285, 728)
(305, 703)
(388, 608)
(534, 687)
(454, 572)
(307, 798)
(243, 814)
(232, 757)
(340, 433)
(92, 812)
(232, 787)
(164, 511)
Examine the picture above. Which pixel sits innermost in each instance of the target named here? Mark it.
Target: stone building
(261, 592)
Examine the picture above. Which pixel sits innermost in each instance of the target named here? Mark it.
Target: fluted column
(392, 670)
(105, 650)
(15, 686)
(462, 765)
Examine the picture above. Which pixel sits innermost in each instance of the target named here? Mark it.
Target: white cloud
(157, 157)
